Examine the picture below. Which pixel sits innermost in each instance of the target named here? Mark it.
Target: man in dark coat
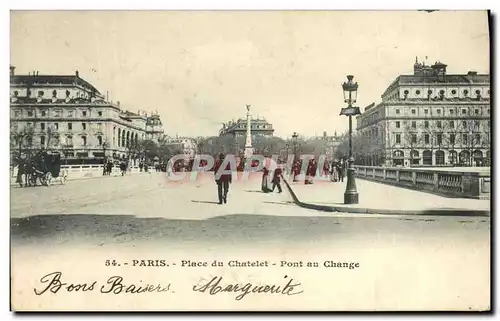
(278, 172)
(222, 180)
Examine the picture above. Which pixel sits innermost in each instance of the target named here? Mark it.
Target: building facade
(430, 118)
(184, 145)
(237, 131)
(68, 114)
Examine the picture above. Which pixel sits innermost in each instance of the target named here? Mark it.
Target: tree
(22, 141)
(471, 137)
(412, 139)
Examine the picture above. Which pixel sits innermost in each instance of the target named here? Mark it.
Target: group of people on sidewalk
(336, 170)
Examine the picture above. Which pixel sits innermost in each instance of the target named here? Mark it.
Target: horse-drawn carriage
(44, 168)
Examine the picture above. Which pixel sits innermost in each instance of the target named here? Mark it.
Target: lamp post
(294, 136)
(350, 89)
(104, 147)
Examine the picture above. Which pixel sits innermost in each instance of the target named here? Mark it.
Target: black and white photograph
(250, 160)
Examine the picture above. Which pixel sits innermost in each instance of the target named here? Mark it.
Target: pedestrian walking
(278, 172)
(265, 179)
(222, 180)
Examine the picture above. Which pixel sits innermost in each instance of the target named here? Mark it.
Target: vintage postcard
(250, 160)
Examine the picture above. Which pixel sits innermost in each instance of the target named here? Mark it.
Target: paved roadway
(147, 207)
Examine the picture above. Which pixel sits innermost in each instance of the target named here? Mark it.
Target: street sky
(200, 68)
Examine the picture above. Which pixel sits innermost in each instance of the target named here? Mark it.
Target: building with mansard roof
(68, 114)
(429, 118)
(237, 130)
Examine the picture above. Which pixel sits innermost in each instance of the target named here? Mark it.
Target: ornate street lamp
(350, 93)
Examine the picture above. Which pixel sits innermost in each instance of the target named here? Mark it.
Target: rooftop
(36, 79)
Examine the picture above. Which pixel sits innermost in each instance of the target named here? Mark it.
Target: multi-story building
(185, 145)
(428, 118)
(237, 131)
(67, 113)
(332, 143)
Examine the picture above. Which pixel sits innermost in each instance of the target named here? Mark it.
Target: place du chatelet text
(329, 263)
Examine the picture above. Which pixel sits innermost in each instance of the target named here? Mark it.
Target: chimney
(12, 70)
(472, 73)
(77, 74)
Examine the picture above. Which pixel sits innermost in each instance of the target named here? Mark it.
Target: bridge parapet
(454, 183)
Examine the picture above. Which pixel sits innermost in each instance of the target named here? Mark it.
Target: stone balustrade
(454, 183)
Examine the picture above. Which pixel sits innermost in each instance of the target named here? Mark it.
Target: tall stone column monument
(248, 143)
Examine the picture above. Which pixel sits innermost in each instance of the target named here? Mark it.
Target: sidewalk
(377, 198)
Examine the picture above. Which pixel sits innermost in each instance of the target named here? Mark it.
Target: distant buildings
(236, 130)
(429, 118)
(68, 114)
(332, 143)
(184, 145)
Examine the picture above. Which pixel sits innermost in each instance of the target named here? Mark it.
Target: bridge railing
(85, 170)
(448, 183)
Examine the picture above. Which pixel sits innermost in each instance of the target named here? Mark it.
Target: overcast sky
(199, 69)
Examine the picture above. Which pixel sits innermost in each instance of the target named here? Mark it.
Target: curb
(364, 210)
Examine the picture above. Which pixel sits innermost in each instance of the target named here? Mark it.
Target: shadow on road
(227, 229)
(206, 202)
(234, 228)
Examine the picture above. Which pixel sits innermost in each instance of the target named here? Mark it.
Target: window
(466, 92)
(476, 111)
(42, 140)
(439, 138)
(417, 92)
(429, 92)
(84, 126)
(452, 139)
(439, 124)
(70, 126)
(16, 113)
(398, 124)
(30, 113)
(99, 113)
(44, 113)
(488, 111)
(464, 111)
(84, 140)
(42, 126)
(29, 124)
(413, 138)
(451, 111)
(397, 111)
(426, 124)
(398, 138)
(426, 138)
(70, 113)
(69, 140)
(426, 111)
(99, 126)
(56, 126)
(477, 139)
(84, 113)
(99, 140)
(413, 111)
(464, 124)
(476, 124)
(57, 113)
(464, 138)
(478, 92)
(413, 124)
(441, 92)
(439, 111)
(454, 92)
(452, 124)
